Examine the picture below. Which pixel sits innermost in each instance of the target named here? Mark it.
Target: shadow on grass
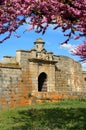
(51, 119)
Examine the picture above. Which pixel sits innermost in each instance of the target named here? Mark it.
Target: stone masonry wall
(10, 76)
(15, 86)
(68, 75)
(84, 80)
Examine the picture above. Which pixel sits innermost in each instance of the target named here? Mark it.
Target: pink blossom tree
(70, 15)
(80, 51)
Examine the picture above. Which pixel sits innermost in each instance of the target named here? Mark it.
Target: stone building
(39, 74)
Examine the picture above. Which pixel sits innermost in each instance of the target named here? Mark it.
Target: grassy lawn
(66, 115)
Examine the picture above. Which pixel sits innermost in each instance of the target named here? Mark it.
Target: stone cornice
(10, 66)
(44, 61)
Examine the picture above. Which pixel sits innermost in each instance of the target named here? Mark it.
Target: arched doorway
(42, 82)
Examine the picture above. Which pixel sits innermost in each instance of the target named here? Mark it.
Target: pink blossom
(80, 51)
(67, 14)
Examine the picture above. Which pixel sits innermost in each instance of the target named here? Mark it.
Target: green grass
(66, 115)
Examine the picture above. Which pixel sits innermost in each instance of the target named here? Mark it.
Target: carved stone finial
(39, 44)
(39, 40)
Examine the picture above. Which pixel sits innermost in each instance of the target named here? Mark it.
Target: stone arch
(42, 82)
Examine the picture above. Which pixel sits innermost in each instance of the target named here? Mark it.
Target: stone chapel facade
(37, 72)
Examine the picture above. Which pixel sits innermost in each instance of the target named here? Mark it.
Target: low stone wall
(80, 95)
(40, 97)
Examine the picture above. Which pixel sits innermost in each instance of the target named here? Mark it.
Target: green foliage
(66, 115)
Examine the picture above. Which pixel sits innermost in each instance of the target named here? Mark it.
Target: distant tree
(68, 14)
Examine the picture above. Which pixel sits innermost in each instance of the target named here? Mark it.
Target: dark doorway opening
(42, 82)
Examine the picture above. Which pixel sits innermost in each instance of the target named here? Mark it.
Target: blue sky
(52, 39)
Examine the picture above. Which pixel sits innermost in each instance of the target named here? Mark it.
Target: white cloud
(84, 66)
(68, 47)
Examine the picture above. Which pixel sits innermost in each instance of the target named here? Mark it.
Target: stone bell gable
(38, 72)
